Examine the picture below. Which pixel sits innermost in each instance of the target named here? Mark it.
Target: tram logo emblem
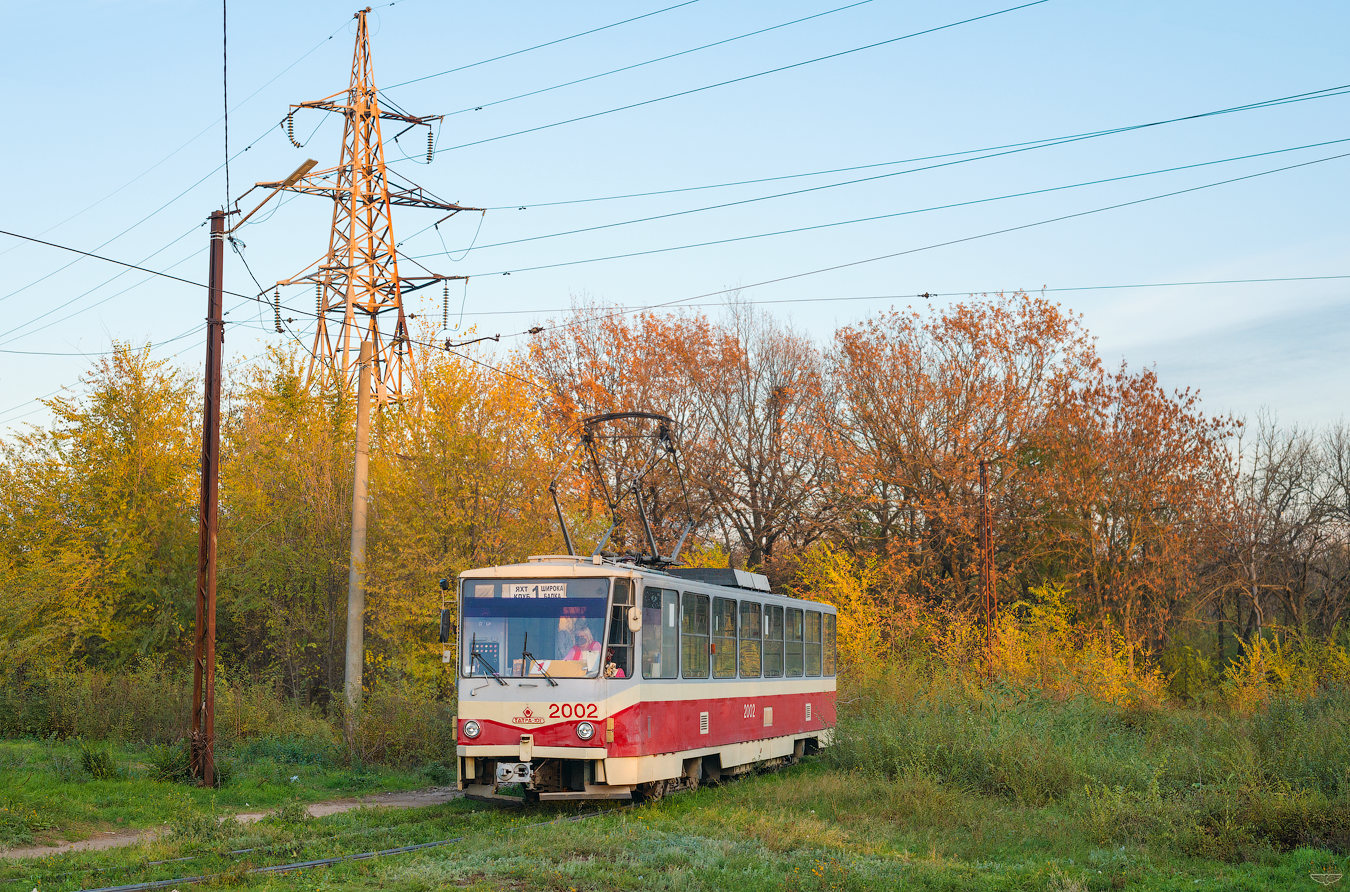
(526, 717)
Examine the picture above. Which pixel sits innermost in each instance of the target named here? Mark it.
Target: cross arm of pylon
(424, 281)
(330, 184)
(330, 104)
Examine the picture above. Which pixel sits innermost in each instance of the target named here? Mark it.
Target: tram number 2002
(573, 711)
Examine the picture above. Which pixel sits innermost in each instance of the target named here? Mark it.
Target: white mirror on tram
(635, 619)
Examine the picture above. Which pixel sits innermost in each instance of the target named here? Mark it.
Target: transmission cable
(890, 256)
(742, 78)
(540, 46)
(927, 295)
(157, 210)
(23, 325)
(1325, 93)
(482, 105)
(742, 238)
(744, 201)
(993, 152)
(7, 416)
(207, 129)
(134, 266)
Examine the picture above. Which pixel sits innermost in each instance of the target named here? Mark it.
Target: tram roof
(574, 566)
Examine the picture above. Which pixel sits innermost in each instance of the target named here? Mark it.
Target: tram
(587, 677)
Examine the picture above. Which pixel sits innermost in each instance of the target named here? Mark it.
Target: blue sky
(110, 91)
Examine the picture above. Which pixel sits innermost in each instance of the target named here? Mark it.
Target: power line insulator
(318, 297)
(445, 305)
(431, 143)
(290, 129)
(276, 312)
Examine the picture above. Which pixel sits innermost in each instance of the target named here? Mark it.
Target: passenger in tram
(612, 667)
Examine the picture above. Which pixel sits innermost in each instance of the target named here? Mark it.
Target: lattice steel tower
(359, 291)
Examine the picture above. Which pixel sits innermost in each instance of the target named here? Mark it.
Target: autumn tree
(460, 480)
(606, 362)
(767, 469)
(97, 520)
(922, 399)
(1138, 482)
(285, 527)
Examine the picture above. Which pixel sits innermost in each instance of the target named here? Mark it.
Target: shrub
(147, 705)
(399, 727)
(321, 750)
(1285, 663)
(442, 774)
(170, 762)
(98, 762)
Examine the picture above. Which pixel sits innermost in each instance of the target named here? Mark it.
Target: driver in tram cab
(586, 647)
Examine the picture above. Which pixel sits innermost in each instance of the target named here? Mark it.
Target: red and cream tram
(586, 678)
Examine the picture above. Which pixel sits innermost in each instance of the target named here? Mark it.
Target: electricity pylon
(358, 278)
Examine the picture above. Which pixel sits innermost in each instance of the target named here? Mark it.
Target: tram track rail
(296, 866)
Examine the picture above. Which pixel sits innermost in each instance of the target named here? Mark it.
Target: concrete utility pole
(202, 741)
(356, 574)
(990, 601)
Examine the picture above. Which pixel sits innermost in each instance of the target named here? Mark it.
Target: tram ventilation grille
(703, 723)
(808, 712)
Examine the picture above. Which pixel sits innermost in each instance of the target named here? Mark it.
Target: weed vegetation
(53, 790)
(149, 705)
(1205, 782)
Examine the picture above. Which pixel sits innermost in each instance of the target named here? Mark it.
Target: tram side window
(812, 643)
(619, 650)
(794, 643)
(773, 642)
(694, 635)
(751, 637)
(723, 638)
(660, 633)
(829, 643)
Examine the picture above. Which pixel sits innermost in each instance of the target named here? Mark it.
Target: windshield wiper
(527, 658)
(475, 655)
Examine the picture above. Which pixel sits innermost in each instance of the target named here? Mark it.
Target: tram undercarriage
(641, 778)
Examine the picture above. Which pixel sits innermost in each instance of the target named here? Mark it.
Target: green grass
(54, 790)
(935, 783)
(809, 827)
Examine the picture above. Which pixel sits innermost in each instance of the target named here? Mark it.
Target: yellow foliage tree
(97, 519)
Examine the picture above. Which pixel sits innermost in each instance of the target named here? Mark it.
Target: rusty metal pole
(356, 573)
(202, 761)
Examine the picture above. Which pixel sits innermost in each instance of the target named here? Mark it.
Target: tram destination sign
(534, 590)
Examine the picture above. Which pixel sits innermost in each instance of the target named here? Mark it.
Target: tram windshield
(518, 628)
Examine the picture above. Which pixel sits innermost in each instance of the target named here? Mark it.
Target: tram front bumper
(512, 751)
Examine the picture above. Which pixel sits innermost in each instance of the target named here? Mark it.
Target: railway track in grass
(294, 866)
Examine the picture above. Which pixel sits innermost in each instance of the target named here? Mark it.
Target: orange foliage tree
(1134, 492)
(1101, 481)
(922, 400)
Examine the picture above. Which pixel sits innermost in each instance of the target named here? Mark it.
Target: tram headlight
(471, 729)
(585, 730)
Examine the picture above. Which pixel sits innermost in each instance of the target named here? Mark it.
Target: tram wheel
(652, 791)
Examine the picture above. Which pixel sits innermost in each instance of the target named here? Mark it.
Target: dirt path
(111, 839)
